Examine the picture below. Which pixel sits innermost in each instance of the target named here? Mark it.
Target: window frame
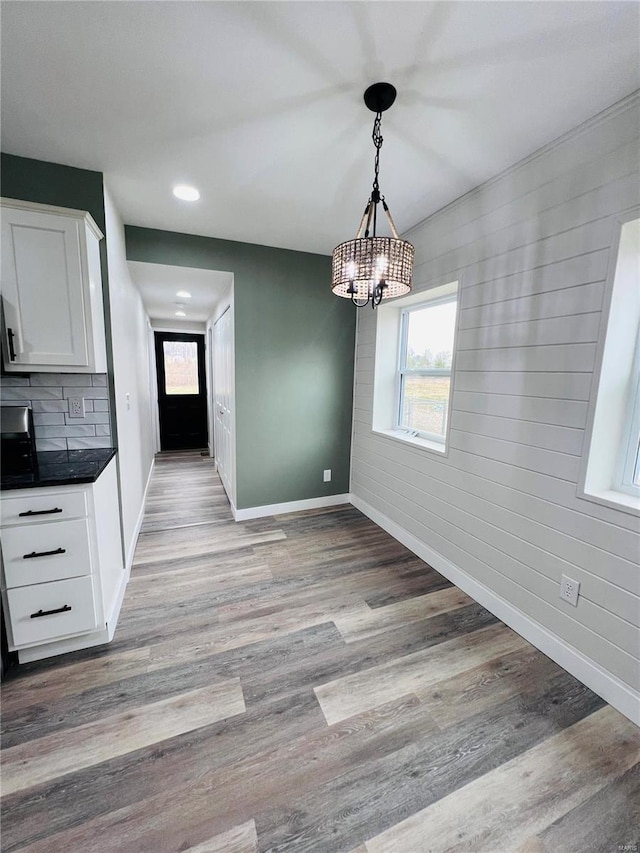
(629, 463)
(403, 371)
(613, 414)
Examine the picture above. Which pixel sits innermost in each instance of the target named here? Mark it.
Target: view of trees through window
(426, 368)
(181, 367)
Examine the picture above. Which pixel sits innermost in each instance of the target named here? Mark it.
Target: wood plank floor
(305, 683)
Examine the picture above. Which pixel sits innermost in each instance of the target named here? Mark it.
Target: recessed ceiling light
(186, 193)
(184, 294)
(180, 314)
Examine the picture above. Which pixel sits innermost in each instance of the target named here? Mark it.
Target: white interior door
(223, 399)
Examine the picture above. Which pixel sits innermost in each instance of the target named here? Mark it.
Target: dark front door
(182, 393)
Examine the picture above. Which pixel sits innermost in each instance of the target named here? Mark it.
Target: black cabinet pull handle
(43, 553)
(10, 337)
(39, 512)
(62, 609)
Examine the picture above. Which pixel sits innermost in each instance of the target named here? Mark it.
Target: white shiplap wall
(500, 514)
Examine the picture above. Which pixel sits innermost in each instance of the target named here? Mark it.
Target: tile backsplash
(48, 395)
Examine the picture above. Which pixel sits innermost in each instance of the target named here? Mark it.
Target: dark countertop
(61, 468)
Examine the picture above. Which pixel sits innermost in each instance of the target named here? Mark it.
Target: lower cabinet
(63, 573)
(48, 611)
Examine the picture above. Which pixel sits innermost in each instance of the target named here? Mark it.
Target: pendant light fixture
(370, 268)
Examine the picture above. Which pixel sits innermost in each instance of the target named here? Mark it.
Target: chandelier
(370, 268)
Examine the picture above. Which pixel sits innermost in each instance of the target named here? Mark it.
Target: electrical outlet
(76, 407)
(327, 475)
(569, 590)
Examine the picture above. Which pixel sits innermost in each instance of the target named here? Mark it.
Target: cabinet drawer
(57, 506)
(38, 553)
(73, 599)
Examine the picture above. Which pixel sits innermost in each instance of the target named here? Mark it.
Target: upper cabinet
(53, 318)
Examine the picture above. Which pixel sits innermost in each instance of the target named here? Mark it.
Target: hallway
(305, 683)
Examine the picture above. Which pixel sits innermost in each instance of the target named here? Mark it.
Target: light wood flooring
(305, 683)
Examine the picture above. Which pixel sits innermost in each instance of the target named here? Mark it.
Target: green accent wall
(64, 186)
(294, 350)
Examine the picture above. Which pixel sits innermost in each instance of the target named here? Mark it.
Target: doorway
(223, 402)
(182, 390)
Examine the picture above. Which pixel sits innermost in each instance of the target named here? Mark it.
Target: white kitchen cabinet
(63, 573)
(53, 317)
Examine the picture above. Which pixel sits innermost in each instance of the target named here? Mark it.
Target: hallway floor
(305, 683)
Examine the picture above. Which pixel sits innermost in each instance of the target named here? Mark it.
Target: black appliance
(18, 443)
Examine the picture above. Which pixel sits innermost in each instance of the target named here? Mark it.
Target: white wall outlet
(569, 590)
(327, 475)
(76, 407)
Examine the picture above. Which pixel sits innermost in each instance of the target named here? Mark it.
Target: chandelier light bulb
(351, 269)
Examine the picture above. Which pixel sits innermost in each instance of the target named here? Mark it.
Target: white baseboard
(136, 531)
(611, 689)
(292, 506)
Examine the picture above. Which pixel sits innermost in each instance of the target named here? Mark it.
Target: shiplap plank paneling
(532, 250)
(558, 492)
(607, 199)
(528, 255)
(568, 413)
(563, 439)
(560, 465)
(563, 386)
(579, 328)
(550, 359)
(588, 268)
(597, 544)
(582, 299)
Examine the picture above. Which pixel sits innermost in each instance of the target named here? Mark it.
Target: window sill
(614, 499)
(413, 440)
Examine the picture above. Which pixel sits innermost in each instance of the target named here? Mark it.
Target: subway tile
(47, 418)
(15, 402)
(85, 391)
(87, 443)
(18, 394)
(88, 405)
(14, 381)
(65, 430)
(99, 379)
(100, 405)
(50, 406)
(101, 429)
(60, 379)
(51, 444)
(30, 393)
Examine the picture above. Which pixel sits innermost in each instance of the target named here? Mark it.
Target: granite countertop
(61, 468)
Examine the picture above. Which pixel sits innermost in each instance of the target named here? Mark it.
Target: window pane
(425, 400)
(430, 336)
(180, 367)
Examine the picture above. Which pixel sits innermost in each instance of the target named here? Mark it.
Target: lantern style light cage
(369, 268)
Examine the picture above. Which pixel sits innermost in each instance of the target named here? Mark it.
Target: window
(611, 467)
(181, 367)
(414, 354)
(426, 353)
(629, 465)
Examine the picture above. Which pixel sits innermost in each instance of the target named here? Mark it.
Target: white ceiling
(159, 283)
(260, 104)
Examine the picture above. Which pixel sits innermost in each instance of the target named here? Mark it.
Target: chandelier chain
(377, 141)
